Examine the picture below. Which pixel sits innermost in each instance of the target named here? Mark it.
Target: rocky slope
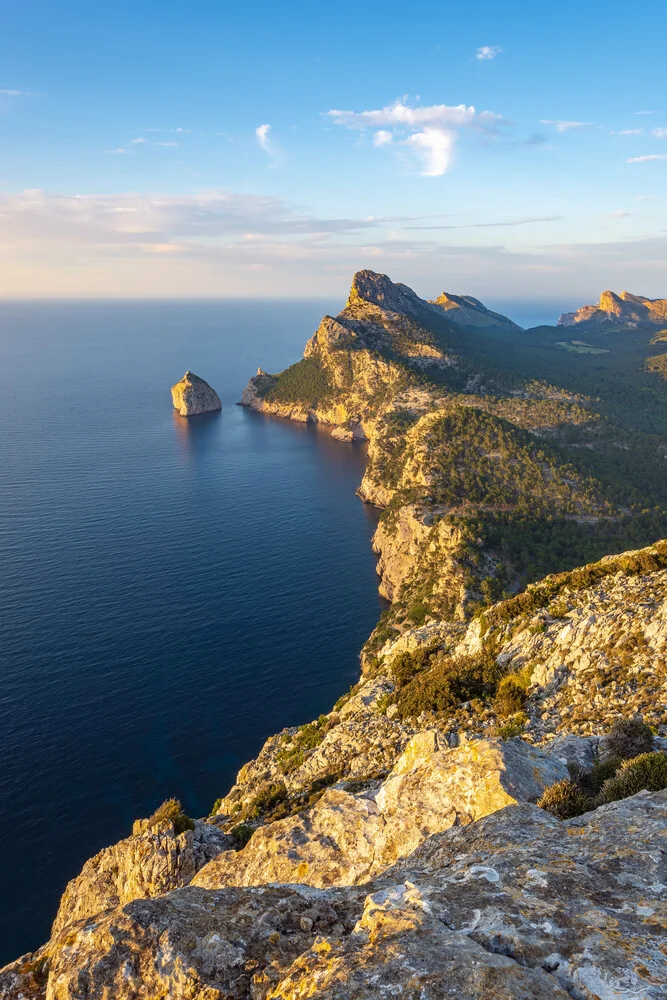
(393, 847)
(625, 310)
(467, 311)
(192, 395)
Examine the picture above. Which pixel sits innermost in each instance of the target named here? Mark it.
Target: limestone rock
(148, 863)
(468, 311)
(344, 838)
(628, 309)
(515, 905)
(192, 395)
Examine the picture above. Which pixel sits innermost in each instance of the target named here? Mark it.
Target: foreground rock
(516, 905)
(192, 395)
(344, 839)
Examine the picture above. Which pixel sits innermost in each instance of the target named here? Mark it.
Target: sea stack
(192, 395)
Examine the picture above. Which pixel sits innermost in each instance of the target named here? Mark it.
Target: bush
(591, 782)
(513, 727)
(647, 771)
(564, 799)
(449, 683)
(241, 834)
(304, 382)
(628, 738)
(306, 738)
(214, 808)
(511, 696)
(408, 664)
(268, 795)
(171, 810)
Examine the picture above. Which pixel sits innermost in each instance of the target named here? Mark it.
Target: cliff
(395, 846)
(625, 310)
(192, 396)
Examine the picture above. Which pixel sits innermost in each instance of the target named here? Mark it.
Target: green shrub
(303, 382)
(241, 833)
(628, 738)
(171, 810)
(408, 664)
(514, 726)
(590, 782)
(214, 808)
(449, 683)
(267, 796)
(647, 771)
(564, 799)
(511, 696)
(308, 737)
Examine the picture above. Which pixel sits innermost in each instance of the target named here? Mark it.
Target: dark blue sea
(172, 590)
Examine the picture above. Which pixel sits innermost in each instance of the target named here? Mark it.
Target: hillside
(479, 814)
(489, 478)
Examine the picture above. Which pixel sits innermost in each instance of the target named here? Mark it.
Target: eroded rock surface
(192, 395)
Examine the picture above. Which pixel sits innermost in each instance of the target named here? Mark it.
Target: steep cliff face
(625, 309)
(192, 396)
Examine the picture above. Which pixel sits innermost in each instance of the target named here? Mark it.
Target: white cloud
(435, 147)
(12, 93)
(382, 137)
(620, 214)
(645, 112)
(118, 151)
(487, 52)
(165, 144)
(262, 133)
(645, 159)
(431, 131)
(628, 131)
(138, 140)
(564, 126)
(660, 133)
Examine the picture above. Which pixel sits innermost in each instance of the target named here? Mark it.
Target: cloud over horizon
(430, 131)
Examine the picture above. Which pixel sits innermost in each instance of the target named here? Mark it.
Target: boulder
(192, 395)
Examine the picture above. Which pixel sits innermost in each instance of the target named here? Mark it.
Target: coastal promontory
(192, 395)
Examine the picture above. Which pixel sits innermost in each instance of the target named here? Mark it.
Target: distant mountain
(464, 310)
(626, 309)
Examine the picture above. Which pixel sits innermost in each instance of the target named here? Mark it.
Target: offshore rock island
(484, 813)
(192, 396)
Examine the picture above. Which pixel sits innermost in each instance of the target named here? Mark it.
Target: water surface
(173, 590)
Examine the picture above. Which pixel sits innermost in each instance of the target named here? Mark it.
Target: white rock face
(192, 395)
(344, 839)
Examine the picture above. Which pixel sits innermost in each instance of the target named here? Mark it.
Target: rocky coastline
(394, 846)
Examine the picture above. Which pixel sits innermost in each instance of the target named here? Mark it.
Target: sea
(172, 590)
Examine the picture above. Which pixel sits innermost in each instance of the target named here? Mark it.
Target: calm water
(172, 591)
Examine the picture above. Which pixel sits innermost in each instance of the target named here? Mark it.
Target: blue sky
(505, 150)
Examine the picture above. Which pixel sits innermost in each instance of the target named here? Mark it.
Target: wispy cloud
(627, 131)
(262, 132)
(138, 140)
(646, 159)
(659, 133)
(620, 213)
(184, 131)
(563, 125)
(485, 52)
(431, 131)
(493, 225)
(117, 152)
(13, 93)
(646, 112)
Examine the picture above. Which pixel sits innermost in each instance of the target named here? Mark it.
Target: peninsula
(479, 815)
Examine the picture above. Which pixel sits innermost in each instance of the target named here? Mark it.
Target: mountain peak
(628, 309)
(465, 310)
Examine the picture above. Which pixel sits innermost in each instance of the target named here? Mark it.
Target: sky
(512, 151)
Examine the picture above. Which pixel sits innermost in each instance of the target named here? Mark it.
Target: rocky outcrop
(624, 309)
(192, 395)
(468, 311)
(152, 861)
(515, 905)
(346, 838)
